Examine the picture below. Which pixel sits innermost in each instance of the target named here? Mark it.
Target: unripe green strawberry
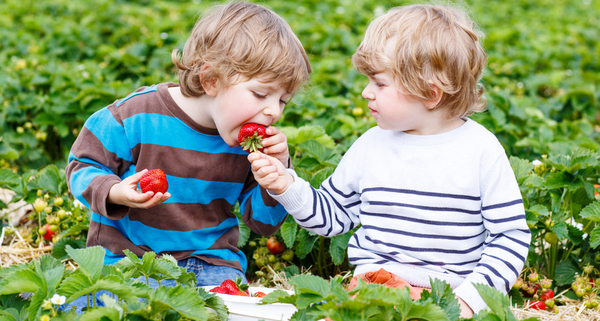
(588, 269)
(39, 205)
(59, 201)
(518, 284)
(551, 238)
(546, 283)
(251, 137)
(533, 277)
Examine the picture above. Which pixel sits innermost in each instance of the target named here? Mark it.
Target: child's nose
(367, 94)
(273, 110)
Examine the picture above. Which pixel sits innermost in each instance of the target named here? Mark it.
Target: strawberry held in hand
(154, 180)
(251, 136)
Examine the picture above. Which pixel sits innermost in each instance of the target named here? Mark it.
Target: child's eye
(259, 95)
(378, 84)
(284, 102)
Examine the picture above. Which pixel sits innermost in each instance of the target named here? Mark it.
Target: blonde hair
(241, 39)
(431, 44)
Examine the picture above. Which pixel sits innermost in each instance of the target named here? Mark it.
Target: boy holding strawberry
(432, 191)
(190, 132)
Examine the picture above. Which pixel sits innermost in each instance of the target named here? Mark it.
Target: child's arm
(100, 156)
(330, 210)
(507, 244)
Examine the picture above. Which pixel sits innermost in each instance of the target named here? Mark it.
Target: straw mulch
(571, 310)
(19, 250)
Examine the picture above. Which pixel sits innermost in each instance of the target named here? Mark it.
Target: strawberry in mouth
(251, 137)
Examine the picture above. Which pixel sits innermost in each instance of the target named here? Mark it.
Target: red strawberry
(218, 289)
(546, 295)
(537, 305)
(230, 287)
(154, 180)
(274, 246)
(259, 294)
(242, 293)
(251, 136)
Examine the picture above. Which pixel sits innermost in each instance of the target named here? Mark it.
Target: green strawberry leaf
(244, 235)
(521, 167)
(24, 280)
(183, 300)
(306, 241)
(101, 313)
(280, 296)
(288, 230)
(338, 247)
(442, 295)
(310, 284)
(59, 250)
(215, 302)
(591, 212)
(90, 260)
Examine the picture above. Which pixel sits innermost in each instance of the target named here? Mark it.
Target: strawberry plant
(53, 285)
(316, 298)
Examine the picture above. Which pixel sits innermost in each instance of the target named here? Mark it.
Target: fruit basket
(243, 308)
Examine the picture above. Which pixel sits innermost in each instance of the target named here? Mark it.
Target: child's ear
(437, 94)
(208, 83)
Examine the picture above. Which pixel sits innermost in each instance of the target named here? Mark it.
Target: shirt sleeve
(507, 243)
(330, 210)
(98, 159)
(260, 212)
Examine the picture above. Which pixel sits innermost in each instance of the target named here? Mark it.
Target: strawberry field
(63, 60)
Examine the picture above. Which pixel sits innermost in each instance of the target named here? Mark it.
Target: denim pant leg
(208, 274)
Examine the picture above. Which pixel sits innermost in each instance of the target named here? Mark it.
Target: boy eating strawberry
(190, 132)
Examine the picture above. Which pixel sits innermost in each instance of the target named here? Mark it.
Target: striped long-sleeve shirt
(443, 206)
(206, 178)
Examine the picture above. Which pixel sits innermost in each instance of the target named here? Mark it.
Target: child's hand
(465, 310)
(270, 173)
(276, 145)
(125, 193)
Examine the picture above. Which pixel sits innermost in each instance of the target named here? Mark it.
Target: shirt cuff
(294, 199)
(468, 293)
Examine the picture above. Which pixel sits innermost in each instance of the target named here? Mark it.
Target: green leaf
(591, 212)
(306, 241)
(539, 210)
(566, 272)
(280, 296)
(495, 300)
(288, 230)
(595, 237)
(215, 302)
(21, 281)
(8, 178)
(244, 235)
(48, 179)
(90, 260)
(521, 167)
(442, 296)
(59, 250)
(78, 284)
(100, 313)
(309, 284)
(182, 299)
(338, 247)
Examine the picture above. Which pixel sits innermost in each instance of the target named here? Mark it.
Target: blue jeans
(206, 275)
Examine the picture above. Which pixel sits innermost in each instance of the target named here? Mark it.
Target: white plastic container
(242, 308)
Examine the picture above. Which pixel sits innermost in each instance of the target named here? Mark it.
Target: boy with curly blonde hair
(241, 64)
(432, 191)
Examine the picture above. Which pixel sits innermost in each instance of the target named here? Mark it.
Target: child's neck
(193, 107)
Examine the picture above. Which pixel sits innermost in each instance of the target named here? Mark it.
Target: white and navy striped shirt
(443, 206)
